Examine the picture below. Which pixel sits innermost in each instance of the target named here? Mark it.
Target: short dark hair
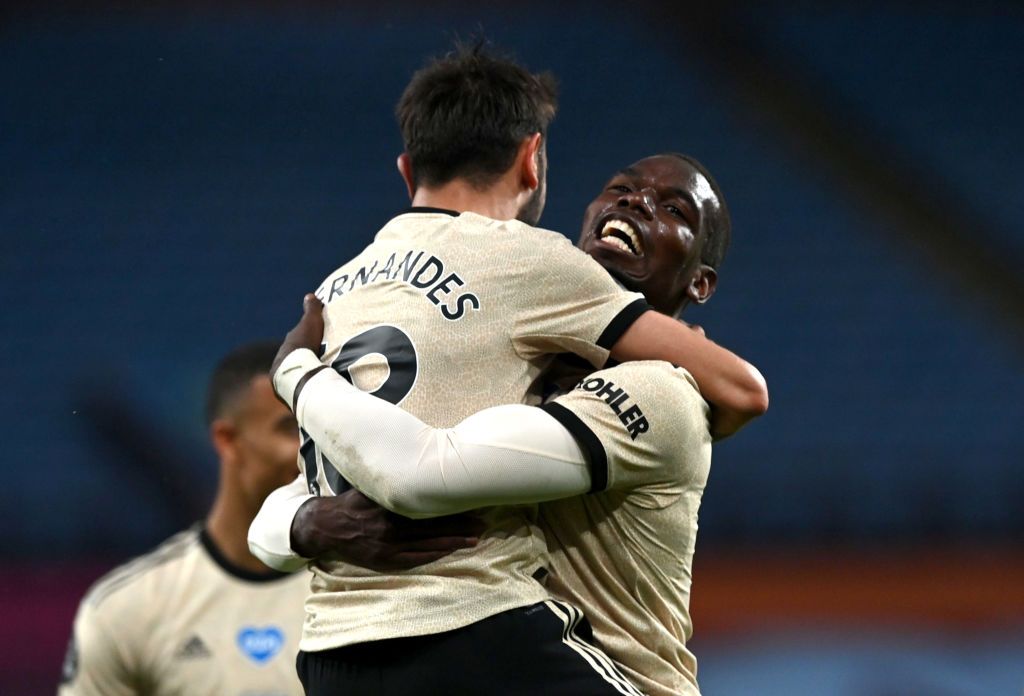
(234, 373)
(464, 115)
(719, 226)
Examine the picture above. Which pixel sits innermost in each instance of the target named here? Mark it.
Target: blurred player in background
(635, 436)
(200, 614)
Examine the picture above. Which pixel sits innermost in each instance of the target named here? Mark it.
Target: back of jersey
(445, 315)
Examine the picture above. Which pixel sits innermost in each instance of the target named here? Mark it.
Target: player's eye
(619, 188)
(675, 211)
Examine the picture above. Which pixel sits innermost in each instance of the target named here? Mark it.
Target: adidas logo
(193, 648)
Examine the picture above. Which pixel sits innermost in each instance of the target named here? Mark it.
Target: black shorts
(546, 648)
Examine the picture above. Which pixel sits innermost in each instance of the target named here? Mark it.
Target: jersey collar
(230, 568)
(428, 209)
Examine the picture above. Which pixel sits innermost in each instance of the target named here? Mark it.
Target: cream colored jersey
(624, 554)
(445, 315)
(181, 620)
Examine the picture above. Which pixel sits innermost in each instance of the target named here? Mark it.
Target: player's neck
(498, 202)
(228, 527)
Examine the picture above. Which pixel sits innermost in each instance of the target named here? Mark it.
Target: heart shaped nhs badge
(260, 644)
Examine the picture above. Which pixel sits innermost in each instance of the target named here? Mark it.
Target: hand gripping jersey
(445, 315)
(181, 620)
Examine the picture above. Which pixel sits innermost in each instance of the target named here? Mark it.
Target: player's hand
(308, 333)
(352, 528)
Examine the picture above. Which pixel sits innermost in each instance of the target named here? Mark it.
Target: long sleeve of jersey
(501, 455)
(270, 531)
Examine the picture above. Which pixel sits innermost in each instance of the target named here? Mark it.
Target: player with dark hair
(464, 117)
(457, 306)
(634, 436)
(200, 614)
(669, 279)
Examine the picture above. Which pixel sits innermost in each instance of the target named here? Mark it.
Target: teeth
(626, 229)
(615, 241)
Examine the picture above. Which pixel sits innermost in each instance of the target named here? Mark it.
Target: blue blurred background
(173, 179)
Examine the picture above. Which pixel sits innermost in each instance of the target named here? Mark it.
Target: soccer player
(456, 307)
(634, 436)
(200, 614)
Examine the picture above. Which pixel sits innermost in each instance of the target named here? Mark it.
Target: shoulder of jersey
(141, 567)
(681, 377)
(685, 390)
(665, 374)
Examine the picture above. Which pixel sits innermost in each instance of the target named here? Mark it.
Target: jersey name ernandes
(616, 397)
(426, 276)
(445, 315)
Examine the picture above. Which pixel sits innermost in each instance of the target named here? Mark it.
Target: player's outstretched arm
(505, 454)
(733, 387)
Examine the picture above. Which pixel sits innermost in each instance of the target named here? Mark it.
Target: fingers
(311, 304)
(312, 311)
(309, 332)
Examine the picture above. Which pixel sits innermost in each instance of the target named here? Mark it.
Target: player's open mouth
(621, 233)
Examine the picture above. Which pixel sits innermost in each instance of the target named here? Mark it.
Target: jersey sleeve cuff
(588, 441)
(272, 542)
(622, 321)
(293, 369)
(321, 386)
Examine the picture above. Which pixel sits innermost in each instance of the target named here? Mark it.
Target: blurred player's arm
(505, 454)
(98, 659)
(294, 527)
(733, 387)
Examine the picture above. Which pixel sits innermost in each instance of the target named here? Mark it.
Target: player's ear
(702, 284)
(528, 160)
(405, 169)
(223, 435)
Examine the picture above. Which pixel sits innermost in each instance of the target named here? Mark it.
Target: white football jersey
(182, 620)
(446, 314)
